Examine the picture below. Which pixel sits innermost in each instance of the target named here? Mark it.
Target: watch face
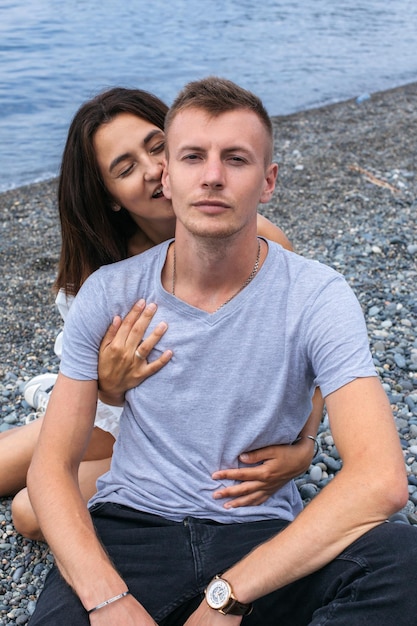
(218, 594)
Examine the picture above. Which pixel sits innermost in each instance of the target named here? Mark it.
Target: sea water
(294, 54)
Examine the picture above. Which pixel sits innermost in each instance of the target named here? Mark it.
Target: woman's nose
(154, 168)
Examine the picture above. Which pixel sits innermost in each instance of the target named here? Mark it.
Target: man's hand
(205, 616)
(277, 465)
(123, 353)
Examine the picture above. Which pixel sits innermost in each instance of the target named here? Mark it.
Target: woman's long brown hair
(93, 234)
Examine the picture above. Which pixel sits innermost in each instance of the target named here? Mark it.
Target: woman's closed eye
(157, 148)
(126, 170)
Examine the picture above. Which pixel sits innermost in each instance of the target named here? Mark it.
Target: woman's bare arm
(272, 232)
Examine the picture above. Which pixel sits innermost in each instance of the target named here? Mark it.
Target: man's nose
(213, 173)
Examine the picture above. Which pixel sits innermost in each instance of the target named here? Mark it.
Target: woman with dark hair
(96, 230)
(111, 206)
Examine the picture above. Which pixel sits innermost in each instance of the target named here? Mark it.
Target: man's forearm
(68, 529)
(339, 515)
(57, 501)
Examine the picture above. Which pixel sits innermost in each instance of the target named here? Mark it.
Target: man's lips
(216, 204)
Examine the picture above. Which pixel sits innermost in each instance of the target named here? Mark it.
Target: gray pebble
(316, 473)
(400, 360)
(308, 491)
(18, 574)
(334, 465)
(373, 311)
(399, 518)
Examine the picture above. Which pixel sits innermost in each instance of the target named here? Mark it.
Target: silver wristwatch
(219, 596)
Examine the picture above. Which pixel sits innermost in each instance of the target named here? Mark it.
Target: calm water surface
(295, 55)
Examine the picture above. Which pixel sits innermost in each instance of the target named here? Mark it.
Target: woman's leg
(17, 446)
(24, 518)
(100, 445)
(16, 450)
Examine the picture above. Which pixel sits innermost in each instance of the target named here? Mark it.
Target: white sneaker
(36, 393)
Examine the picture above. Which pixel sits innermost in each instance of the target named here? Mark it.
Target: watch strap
(234, 607)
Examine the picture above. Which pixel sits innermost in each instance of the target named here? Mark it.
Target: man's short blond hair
(215, 96)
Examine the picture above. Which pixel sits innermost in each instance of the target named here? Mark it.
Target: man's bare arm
(63, 516)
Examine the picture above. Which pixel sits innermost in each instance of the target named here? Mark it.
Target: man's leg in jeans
(137, 543)
(166, 565)
(58, 604)
(372, 582)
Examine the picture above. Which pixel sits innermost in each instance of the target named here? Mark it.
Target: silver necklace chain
(245, 284)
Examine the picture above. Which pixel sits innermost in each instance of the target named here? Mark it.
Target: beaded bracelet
(110, 601)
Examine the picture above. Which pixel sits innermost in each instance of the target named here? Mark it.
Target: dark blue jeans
(167, 566)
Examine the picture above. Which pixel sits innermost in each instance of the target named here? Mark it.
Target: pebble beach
(347, 196)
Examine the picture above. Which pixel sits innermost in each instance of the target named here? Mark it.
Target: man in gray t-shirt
(254, 330)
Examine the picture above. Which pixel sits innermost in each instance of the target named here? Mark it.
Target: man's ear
(166, 183)
(269, 183)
